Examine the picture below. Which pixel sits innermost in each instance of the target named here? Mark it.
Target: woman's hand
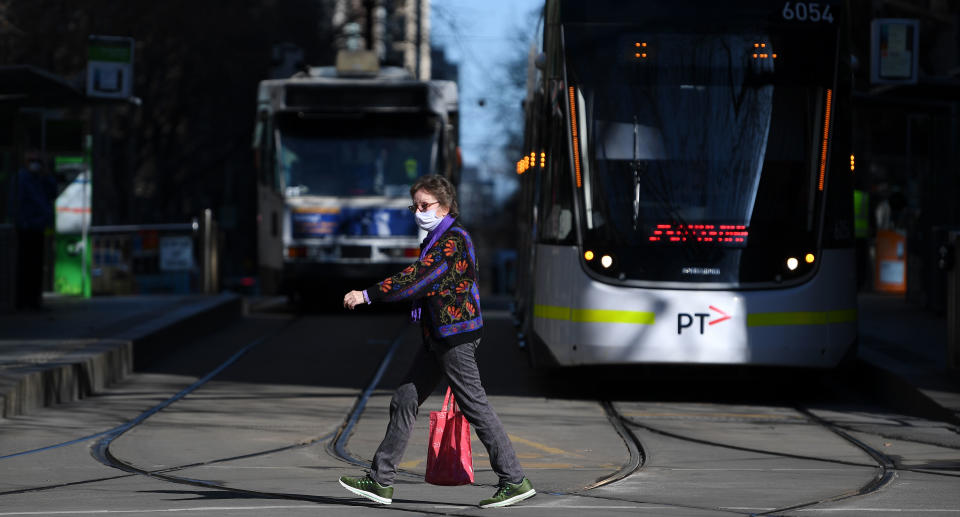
(352, 299)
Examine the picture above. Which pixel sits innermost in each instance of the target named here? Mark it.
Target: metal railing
(156, 258)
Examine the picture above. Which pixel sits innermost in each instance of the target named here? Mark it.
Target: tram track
(336, 442)
(886, 469)
(336, 445)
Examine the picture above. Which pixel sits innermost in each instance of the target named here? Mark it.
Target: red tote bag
(449, 456)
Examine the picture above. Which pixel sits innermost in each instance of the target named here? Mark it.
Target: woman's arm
(417, 279)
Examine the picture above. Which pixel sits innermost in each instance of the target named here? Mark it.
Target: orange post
(891, 267)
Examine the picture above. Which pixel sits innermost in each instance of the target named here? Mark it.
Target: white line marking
(759, 470)
(237, 467)
(597, 507)
(174, 510)
(893, 510)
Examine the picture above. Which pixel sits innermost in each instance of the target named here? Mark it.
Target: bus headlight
(606, 261)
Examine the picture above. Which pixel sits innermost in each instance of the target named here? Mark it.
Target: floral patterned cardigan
(445, 280)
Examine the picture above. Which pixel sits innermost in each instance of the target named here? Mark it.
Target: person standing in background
(31, 206)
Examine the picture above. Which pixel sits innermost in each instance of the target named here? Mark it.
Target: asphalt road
(262, 417)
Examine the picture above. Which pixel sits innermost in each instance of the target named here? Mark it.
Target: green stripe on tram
(551, 312)
(768, 319)
(593, 315)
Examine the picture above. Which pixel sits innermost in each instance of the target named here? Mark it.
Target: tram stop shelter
(34, 114)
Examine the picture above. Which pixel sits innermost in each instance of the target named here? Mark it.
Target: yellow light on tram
(543, 159)
(588, 255)
(606, 261)
(809, 258)
(853, 164)
(792, 263)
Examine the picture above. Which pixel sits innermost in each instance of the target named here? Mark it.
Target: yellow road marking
(542, 447)
(411, 464)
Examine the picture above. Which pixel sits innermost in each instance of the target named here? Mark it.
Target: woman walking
(443, 287)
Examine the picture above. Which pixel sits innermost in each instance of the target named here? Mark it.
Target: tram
(685, 197)
(337, 150)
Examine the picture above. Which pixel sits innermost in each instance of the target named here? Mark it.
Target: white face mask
(427, 221)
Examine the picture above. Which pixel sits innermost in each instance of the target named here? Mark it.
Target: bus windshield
(697, 147)
(362, 156)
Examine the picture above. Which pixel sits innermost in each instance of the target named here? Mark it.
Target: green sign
(411, 167)
(112, 52)
(68, 276)
(110, 67)
(71, 270)
(861, 212)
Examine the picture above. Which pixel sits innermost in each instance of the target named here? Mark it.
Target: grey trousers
(459, 366)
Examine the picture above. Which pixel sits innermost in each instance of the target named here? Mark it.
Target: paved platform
(904, 349)
(75, 347)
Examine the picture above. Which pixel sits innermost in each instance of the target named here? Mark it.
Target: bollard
(210, 253)
(948, 255)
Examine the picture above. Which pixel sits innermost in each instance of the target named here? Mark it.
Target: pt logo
(685, 320)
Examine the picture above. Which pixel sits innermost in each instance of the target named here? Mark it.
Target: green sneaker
(367, 487)
(508, 493)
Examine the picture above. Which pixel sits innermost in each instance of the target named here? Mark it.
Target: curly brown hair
(440, 188)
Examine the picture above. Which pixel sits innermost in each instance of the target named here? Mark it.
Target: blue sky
(480, 37)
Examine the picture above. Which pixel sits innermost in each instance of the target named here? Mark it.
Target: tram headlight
(606, 261)
(588, 255)
(792, 263)
(809, 258)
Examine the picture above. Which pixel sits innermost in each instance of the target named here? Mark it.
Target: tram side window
(556, 194)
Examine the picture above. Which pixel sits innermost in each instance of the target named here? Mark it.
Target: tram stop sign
(894, 45)
(110, 67)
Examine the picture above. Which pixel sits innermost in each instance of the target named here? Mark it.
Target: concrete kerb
(92, 368)
(900, 393)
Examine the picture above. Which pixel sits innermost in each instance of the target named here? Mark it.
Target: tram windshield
(700, 151)
(357, 156)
